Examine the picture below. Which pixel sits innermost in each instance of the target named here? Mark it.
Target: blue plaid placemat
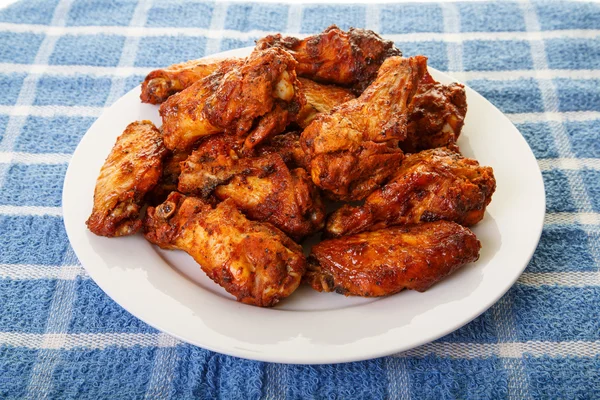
(62, 62)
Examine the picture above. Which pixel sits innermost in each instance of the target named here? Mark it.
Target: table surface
(63, 61)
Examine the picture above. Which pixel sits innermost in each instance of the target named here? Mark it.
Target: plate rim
(266, 357)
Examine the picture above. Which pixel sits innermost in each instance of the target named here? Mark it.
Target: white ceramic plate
(169, 291)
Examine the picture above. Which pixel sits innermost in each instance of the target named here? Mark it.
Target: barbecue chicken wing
(333, 56)
(287, 145)
(320, 99)
(160, 84)
(262, 187)
(437, 115)
(430, 185)
(253, 261)
(265, 85)
(354, 149)
(131, 170)
(387, 261)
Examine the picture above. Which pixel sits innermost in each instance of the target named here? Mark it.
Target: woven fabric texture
(63, 61)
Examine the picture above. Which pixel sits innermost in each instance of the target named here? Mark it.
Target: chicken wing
(384, 262)
(162, 83)
(131, 170)
(268, 191)
(287, 145)
(264, 85)
(333, 56)
(320, 99)
(183, 120)
(354, 149)
(253, 261)
(214, 162)
(262, 187)
(430, 185)
(437, 115)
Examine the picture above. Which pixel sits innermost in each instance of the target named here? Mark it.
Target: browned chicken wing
(430, 185)
(355, 147)
(437, 115)
(262, 187)
(287, 145)
(265, 85)
(253, 261)
(387, 261)
(131, 170)
(267, 190)
(333, 56)
(160, 84)
(320, 98)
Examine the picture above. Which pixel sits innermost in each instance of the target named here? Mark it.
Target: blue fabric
(62, 337)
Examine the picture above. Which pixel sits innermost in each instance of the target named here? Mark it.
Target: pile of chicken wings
(252, 149)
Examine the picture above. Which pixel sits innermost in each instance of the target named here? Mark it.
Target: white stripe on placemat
(29, 272)
(565, 279)
(398, 387)
(294, 19)
(34, 158)
(51, 111)
(129, 51)
(567, 218)
(31, 210)
(163, 368)
(217, 23)
(547, 164)
(452, 26)
(59, 318)
(502, 312)
(255, 33)
(372, 17)
(274, 381)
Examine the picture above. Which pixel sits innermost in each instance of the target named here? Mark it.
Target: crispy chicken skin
(431, 185)
(131, 170)
(162, 83)
(333, 56)
(214, 162)
(264, 85)
(287, 145)
(263, 187)
(184, 123)
(354, 149)
(384, 262)
(266, 190)
(320, 98)
(266, 79)
(253, 261)
(437, 115)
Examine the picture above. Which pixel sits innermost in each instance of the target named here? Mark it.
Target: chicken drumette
(354, 149)
(333, 56)
(131, 170)
(256, 99)
(253, 261)
(387, 261)
(162, 83)
(431, 185)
